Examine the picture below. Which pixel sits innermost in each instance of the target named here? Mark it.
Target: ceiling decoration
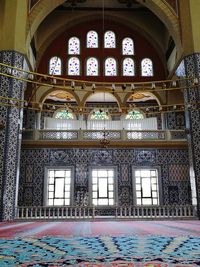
(60, 96)
(140, 97)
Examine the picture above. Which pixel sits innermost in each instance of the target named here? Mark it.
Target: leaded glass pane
(99, 115)
(92, 39)
(92, 66)
(146, 189)
(74, 66)
(64, 114)
(128, 67)
(110, 67)
(134, 115)
(109, 39)
(58, 193)
(55, 66)
(127, 46)
(147, 67)
(74, 46)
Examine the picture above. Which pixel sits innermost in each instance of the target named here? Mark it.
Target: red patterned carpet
(100, 243)
(97, 228)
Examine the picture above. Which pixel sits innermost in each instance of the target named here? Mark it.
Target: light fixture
(105, 141)
(132, 86)
(82, 86)
(54, 81)
(72, 84)
(93, 87)
(195, 81)
(31, 76)
(9, 71)
(124, 87)
(173, 83)
(153, 86)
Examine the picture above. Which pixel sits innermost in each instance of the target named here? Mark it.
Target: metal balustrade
(125, 135)
(126, 212)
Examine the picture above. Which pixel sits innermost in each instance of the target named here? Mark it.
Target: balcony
(108, 138)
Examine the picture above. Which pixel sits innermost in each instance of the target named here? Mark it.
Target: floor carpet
(102, 243)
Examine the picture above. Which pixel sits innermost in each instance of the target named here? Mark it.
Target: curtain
(58, 124)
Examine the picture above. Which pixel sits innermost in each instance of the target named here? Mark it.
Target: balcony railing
(123, 135)
(83, 212)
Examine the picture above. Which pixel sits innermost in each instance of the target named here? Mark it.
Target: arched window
(99, 114)
(147, 67)
(73, 66)
(64, 114)
(92, 67)
(92, 39)
(128, 67)
(127, 46)
(55, 66)
(109, 39)
(134, 115)
(74, 46)
(110, 67)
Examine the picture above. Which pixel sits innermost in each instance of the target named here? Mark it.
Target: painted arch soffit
(159, 7)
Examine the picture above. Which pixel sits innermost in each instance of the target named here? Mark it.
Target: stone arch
(156, 95)
(88, 94)
(52, 89)
(159, 7)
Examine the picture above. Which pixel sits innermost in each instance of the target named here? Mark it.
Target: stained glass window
(74, 66)
(110, 67)
(64, 114)
(128, 67)
(99, 114)
(92, 66)
(74, 46)
(134, 115)
(127, 46)
(92, 39)
(147, 67)
(109, 39)
(55, 66)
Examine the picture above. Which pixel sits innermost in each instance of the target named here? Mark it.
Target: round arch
(44, 95)
(159, 7)
(88, 94)
(155, 95)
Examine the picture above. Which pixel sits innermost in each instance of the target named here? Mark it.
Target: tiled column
(192, 102)
(10, 144)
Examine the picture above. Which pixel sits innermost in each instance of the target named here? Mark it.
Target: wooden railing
(82, 135)
(82, 212)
